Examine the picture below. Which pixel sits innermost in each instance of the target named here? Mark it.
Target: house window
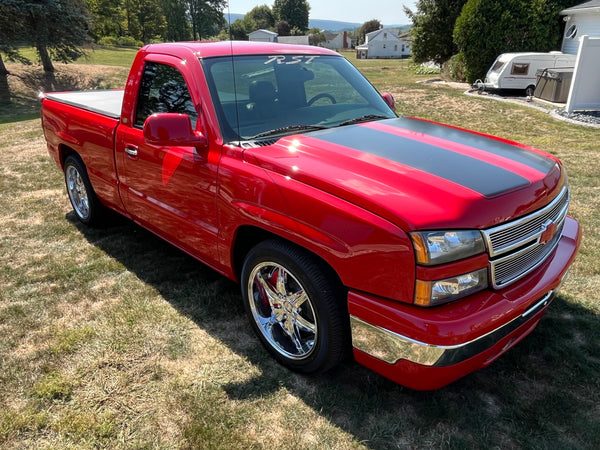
(395, 48)
(519, 69)
(383, 45)
(571, 32)
(385, 35)
(403, 47)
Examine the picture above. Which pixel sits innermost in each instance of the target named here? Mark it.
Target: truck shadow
(545, 390)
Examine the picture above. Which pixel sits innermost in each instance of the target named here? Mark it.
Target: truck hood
(418, 174)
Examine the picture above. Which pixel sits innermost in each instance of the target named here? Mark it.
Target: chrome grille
(518, 247)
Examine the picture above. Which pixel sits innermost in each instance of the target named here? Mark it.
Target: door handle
(131, 150)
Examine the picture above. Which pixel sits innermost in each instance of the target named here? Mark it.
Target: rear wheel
(86, 205)
(530, 90)
(296, 306)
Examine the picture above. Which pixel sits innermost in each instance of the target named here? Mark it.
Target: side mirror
(389, 99)
(172, 129)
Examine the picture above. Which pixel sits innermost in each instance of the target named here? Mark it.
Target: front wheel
(86, 205)
(296, 306)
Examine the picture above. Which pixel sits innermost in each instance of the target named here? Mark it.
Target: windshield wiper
(367, 118)
(287, 129)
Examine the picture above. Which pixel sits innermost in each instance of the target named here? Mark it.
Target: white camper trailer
(518, 70)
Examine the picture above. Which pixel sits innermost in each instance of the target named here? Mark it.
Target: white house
(384, 43)
(263, 36)
(582, 38)
(335, 41)
(581, 20)
(296, 40)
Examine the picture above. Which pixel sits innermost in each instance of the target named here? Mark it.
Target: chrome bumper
(391, 347)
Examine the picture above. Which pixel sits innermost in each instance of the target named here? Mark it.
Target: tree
(487, 28)
(12, 33)
(294, 12)
(241, 28)
(178, 27)
(262, 16)
(282, 28)
(433, 28)
(152, 20)
(206, 17)
(316, 36)
(56, 28)
(368, 27)
(106, 18)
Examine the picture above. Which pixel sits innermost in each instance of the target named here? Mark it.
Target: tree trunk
(4, 88)
(45, 57)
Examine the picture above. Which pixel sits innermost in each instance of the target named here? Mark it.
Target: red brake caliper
(273, 282)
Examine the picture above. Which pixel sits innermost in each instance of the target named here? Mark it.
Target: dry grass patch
(26, 81)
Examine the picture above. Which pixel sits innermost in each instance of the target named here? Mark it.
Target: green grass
(99, 55)
(112, 338)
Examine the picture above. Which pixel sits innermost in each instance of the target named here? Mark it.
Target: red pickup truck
(426, 250)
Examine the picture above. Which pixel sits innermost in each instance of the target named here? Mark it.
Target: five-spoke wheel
(295, 305)
(282, 310)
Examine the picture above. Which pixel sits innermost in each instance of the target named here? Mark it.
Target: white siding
(383, 44)
(585, 90)
(262, 36)
(588, 23)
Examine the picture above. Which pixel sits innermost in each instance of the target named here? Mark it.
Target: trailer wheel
(295, 306)
(86, 205)
(529, 90)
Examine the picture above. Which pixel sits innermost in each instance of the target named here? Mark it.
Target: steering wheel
(322, 95)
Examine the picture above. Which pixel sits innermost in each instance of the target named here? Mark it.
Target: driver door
(169, 190)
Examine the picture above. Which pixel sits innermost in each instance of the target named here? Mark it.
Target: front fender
(368, 253)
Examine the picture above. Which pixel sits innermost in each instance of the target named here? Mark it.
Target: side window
(163, 89)
(519, 69)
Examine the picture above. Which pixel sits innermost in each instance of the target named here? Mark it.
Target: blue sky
(386, 11)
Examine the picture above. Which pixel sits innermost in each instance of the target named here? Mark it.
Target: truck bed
(107, 102)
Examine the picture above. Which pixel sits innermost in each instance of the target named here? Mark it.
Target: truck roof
(227, 48)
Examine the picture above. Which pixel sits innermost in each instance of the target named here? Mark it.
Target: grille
(518, 247)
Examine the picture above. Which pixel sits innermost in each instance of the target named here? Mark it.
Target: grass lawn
(99, 55)
(113, 338)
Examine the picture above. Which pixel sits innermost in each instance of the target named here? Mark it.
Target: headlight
(438, 247)
(430, 293)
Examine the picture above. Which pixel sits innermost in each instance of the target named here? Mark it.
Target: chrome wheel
(77, 192)
(86, 205)
(282, 310)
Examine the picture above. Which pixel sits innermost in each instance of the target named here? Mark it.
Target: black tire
(86, 205)
(529, 90)
(305, 323)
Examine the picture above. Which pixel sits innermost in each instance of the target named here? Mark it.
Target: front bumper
(429, 348)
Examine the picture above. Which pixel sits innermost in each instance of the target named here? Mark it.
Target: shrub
(455, 68)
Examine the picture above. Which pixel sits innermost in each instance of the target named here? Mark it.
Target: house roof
(583, 7)
(263, 32)
(373, 34)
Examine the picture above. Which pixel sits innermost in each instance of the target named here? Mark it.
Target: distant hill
(327, 25)
(332, 25)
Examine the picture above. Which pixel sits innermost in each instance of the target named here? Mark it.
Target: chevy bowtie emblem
(549, 229)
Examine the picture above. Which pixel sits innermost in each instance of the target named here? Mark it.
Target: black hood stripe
(464, 137)
(480, 176)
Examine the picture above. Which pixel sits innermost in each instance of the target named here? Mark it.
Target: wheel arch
(64, 151)
(248, 236)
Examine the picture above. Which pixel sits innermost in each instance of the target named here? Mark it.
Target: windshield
(262, 95)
